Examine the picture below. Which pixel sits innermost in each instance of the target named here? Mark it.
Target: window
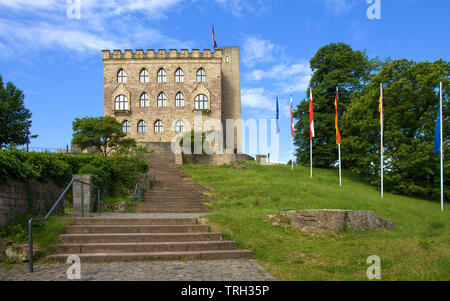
(158, 126)
(201, 75)
(179, 126)
(143, 76)
(121, 76)
(144, 100)
(227, 59)
(162, 99)
(121, 103)
(126, 126)
(201, 102)
(179, 100)
(142, 127)
(179, 76)
(161, 76)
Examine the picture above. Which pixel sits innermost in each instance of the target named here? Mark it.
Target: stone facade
(222, 89)
(19, 197)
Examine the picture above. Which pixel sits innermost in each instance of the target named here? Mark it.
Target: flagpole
(278, 134)
(382, 142)
(442, 149)
(339, 148)
(292, 140)
(310, 154)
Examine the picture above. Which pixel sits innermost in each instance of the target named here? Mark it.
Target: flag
(337, 121)
(278, 117)
(381, 110)
(214, 38)
(292, 121)
(437, 135)
(311, 116)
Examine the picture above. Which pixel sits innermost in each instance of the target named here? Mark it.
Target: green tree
(15, 119)
(102, 133)
(410, 103)
(334, 65)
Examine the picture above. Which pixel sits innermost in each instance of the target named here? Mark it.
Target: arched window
(121, 103)
(126, 126)
(144, 100)
(142, 127)
(201, 102)
(179, 76)
(143, 76)
(201, 75)
(121, 76)
(179, 100)
(162, 99)
(161, 75)
(179, 126)
(158, 126)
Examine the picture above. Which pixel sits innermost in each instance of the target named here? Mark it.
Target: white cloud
(256, 98)
(44, 25)
(257, 50)
(237, 7)
(280, 72)
(339, 7)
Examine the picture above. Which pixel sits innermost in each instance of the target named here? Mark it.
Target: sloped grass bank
(249, 197)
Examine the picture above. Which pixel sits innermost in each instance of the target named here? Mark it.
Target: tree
(334, 65)
(410, 104)
(102, 133)
(15, 119)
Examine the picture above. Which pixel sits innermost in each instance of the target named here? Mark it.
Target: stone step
(174, 194)
(85, 229)
(171, 210)
(144, 247)
(152, 256)
(132, 221)
(139, 237)
(175, 200)
(176, 208)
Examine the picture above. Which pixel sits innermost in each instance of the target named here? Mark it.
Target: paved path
(215, 270)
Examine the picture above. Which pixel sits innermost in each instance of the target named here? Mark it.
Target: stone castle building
(155, 95)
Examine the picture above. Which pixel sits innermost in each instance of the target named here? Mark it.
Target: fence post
(98, 201)
(82, 199)
(30, 244)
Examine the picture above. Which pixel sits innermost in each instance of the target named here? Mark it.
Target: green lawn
(245, 196)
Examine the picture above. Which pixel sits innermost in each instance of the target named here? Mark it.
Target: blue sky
(56, 61)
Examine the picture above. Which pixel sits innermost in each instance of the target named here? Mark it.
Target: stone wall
(19, 197)
(214, 159)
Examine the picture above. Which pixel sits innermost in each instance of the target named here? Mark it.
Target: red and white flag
(311, 116)
(292, 121)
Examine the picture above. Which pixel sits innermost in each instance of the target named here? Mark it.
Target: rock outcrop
(337, 220)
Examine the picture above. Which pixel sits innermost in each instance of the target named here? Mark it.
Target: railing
(138, 188)
(60, 199)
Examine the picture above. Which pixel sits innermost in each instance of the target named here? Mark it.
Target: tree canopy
(410, 104)
(333, 65)
(15, 119)
(102, 133)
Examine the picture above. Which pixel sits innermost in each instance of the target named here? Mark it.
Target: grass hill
(249, 197)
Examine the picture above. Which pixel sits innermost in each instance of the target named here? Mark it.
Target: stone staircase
(172, 193)
(159, 237)
(138, 239)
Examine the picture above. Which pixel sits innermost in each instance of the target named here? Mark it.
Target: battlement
(160, 54)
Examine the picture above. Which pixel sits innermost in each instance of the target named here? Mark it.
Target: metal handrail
(138, 188)
(61, 197)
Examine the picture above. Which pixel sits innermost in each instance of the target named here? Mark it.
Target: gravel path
(215, 270)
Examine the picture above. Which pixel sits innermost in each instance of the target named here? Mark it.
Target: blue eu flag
(278, 117)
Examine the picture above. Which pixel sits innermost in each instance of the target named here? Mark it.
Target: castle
(155, 95)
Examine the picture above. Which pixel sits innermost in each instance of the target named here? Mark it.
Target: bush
(115, 174)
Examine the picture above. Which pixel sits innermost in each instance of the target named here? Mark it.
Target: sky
(53, 54)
